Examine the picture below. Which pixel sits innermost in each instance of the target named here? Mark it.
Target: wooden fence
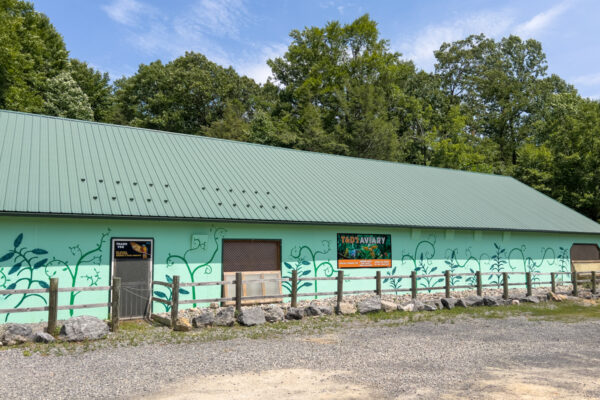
(174, 302)
(53, 307)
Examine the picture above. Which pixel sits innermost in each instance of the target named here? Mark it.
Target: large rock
(419, 306)
(429, 307)
(17, 334)
(556, 297)
(182, 324)
(461, 303)
(410, 307)
(295, 313)
(83, 327)
(225, 317)
(529, 299)
(312, 310)
(162, 318)
(491, 301)
(251, 316)
(473, 301)
(43, 337)
(438, 304)
(388, 306)
(205, 318)
(370, 304)
(346, 308)
(326, 310)
(273, 313)
(449, 302)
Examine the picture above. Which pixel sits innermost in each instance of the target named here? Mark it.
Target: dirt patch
(532, 384)
(290, 384)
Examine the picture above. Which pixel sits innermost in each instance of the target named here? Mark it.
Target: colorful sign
(358, 250)
(130, 249)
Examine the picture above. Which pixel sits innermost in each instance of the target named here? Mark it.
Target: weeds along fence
(175, 286)
(52, 306)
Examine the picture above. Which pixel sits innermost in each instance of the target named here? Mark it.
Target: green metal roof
(59, 166)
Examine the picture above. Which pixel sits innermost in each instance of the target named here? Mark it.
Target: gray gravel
(395, 359)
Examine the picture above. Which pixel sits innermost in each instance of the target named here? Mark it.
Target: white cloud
(587, 80)
(220, 18)
(127, 12)
(420, 49)
(256, 66)
(541, 21)
(493, 24)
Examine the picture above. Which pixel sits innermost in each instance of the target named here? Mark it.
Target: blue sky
(117, 35)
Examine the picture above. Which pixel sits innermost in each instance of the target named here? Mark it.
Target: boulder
(326, 310)
(346, 308)
(449, 302)
(295, 313)
(17, 334)
(43, 337)
(514, 302)
(225, 317)
(429, 307)
(529, 299)
(438, 304)
(162, 318)
(370, 304)
(251, 316)
(182, 324)
(214, 305)
(205, 318)
(460, 303)
(388, 306)
(418, 305)
(410, 307)
(312, 310)
(474, 301)
(273, 313)
(491, 301)
(83, 327)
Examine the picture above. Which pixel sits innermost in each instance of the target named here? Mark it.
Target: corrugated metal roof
(58, 166)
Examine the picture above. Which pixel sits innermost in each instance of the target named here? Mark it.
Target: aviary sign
(359, 250)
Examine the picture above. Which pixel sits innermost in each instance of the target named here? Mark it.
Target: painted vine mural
(193, 268)
(32, 268)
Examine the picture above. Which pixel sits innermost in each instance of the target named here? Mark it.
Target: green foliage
(489, 106)
(96, 86)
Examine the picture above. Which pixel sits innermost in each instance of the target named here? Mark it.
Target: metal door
(132, 262)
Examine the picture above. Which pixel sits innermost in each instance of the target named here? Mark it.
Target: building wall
(77, 251)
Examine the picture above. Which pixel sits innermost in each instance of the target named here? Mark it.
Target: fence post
(340, 289)
(478, 280)
(593, 282)
(575, 283)
(52, 306)
(447, 283)
(238, 291)
(115, 299)
(505, 285)
(174, 301)
(378, 283)
(553, 281)
(413, 284)
(528, 282)
(294, 288)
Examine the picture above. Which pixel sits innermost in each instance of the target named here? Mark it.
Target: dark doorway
(132, 262)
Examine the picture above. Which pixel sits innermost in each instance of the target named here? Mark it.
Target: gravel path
(417, 360)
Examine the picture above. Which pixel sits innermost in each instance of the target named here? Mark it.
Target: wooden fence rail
(53, 307)
(340, 292)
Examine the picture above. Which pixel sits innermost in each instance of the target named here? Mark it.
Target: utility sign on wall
(359, 250)
(131, 249)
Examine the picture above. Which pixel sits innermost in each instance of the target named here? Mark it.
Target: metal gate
(132, 262)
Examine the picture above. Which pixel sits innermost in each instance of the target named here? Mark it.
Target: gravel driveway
(469, 357)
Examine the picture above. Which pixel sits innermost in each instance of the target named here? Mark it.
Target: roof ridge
(203, 137)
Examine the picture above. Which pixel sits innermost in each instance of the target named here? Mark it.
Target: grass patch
(136, 333)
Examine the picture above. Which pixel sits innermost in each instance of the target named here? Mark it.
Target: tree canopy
(489, 105)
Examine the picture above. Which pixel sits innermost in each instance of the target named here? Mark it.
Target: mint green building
(86, 201)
